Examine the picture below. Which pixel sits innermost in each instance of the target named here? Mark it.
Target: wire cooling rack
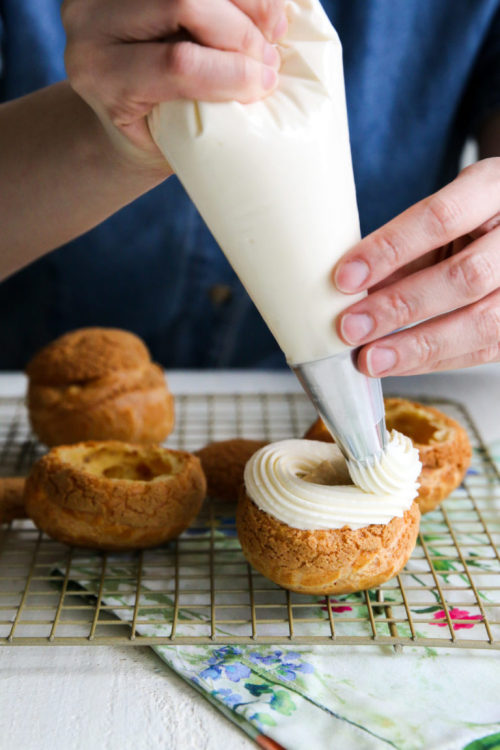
(199, 588)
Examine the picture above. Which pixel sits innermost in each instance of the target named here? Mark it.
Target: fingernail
(271, 56)
(356, 326)
(269, 78)
(351, 275)
(281, 28)
(379, 360)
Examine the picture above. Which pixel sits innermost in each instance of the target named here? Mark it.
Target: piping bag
(273, 181)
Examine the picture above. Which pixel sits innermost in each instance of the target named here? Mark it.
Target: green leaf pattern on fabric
(485, 743)
(301, 697)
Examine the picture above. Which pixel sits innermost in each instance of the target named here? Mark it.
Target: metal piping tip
(350, 404)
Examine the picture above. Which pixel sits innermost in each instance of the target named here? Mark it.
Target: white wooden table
(103, 698)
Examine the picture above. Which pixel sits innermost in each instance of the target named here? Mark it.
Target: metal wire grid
(199, 588)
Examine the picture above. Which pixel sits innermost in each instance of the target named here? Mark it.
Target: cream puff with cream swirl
(280, 479)
(303, 524)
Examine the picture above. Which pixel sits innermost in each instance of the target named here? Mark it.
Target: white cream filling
(273, 180)
(274, 480)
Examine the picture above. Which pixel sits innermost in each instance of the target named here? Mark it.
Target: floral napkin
(355, 697)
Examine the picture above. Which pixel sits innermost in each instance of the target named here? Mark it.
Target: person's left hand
(438, 262)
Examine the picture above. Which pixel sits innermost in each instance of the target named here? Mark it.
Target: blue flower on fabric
(227, 526)
(227, 696)
(284, 662)
(257, 658)
(221, 664)
(196, 531)
(224, 651)
(305, 668)
(289, 671)
(211, 673)
(237, 671)
(286, 674)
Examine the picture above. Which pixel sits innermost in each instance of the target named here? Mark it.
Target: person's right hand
(125, 56)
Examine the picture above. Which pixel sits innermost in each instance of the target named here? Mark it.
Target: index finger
(455, 210)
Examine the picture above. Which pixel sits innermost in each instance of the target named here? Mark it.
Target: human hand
(438, 260)
(125, 56)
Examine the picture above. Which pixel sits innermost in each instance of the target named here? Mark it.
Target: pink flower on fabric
(338, 608)
(456, 614)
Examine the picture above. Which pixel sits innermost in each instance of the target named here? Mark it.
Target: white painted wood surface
(125, 698)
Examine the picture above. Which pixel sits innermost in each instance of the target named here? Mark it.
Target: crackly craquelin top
(288, 480)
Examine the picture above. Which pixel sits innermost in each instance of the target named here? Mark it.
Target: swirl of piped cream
(394, 473)
(276, 479)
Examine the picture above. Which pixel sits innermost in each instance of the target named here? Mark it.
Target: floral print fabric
(364, 696)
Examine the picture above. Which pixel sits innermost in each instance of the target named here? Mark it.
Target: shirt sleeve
(483, 94)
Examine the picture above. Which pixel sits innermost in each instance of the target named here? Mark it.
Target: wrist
(126, 156)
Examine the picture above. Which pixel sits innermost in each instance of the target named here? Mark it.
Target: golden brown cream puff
(98, 384)
(115, 496)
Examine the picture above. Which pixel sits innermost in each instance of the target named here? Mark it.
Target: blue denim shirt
(419, 76)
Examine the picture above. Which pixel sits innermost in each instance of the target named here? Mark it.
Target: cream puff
(223, 463)
(114, 496)
(98, 384)
(303, 524)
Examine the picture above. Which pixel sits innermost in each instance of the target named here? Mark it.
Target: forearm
(489, 137)
(59, 174)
